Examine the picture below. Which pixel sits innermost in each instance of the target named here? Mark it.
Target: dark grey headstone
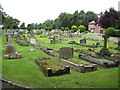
(83, 41)
(66, 53)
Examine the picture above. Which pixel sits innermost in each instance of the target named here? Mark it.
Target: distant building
(93, 27)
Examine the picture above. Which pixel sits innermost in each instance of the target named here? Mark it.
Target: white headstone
(32, 40)
(31, 50)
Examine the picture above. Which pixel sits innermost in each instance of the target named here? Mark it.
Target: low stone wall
(53, 53)
(48, 72)
(14, 56)
(14, 85)
(103, 64)
(80, 68)
(25, 43)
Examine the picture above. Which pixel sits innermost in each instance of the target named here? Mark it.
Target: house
(95, 28)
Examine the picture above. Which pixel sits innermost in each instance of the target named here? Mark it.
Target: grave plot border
(108, 58)
(80, 68)
(47, 51)
(48, 72)
(103, 64)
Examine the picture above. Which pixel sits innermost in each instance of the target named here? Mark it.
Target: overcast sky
(37, 11)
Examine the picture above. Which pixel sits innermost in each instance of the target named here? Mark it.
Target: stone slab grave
(91, 39)
(10, 50)
(66, 53)
(101, 62)
(87, 52)
(83, 42)
(51, 52)
(50, 69)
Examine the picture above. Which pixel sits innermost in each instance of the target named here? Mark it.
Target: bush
(62, 28)
(48, 28)
(82, 28)
(110, 31)
(74, 28)
(67, 28)
(117, 33)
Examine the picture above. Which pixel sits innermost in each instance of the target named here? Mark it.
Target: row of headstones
(10, 50)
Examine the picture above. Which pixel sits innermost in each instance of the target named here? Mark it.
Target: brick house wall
(95, 28)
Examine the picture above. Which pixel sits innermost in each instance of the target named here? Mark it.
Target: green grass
(51, 63)
(25, 72)
(78, 61)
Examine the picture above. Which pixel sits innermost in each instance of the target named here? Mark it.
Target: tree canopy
(108, 18)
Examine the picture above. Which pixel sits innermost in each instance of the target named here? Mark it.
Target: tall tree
(108, 18)
(88, 17)
(22, 26)
(117, 22)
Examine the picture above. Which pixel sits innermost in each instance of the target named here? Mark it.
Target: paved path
(97, 35)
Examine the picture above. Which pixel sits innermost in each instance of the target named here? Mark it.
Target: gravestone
(31, 50)
(32, 41)
(82, 41)
(115, 41)
(66, 53)
(53, 40)
(10, 50)
(119, 43)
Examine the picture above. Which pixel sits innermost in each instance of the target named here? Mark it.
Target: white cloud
(40, 10)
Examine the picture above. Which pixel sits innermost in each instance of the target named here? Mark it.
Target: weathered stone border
(80, 68)
(103, 64)
(15, 84)
(49, 53)
(48, 72)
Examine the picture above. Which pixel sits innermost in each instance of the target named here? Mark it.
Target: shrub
(62, 28)
(74, 28)
(117, 33)
(46, 28)
(67, 28)
(49, 28)
(82, 28)
(110, 31)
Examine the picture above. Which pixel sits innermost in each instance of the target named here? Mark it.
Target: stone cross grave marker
(104, 51)
(66, 53)
(105, 40)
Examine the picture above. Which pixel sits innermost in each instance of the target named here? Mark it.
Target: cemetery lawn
(25, 72)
